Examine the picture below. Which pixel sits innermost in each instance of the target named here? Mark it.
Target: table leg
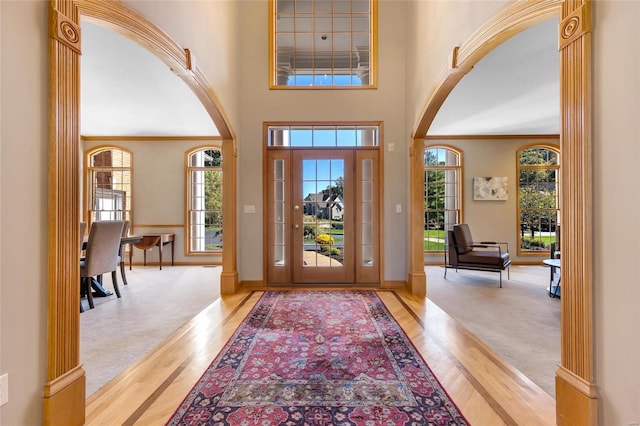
(172, 250)
(160, 245)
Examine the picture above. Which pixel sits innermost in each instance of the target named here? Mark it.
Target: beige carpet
(518, 321)
(118, 332)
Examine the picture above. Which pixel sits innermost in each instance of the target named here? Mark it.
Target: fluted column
(575, 388)
(64, 391)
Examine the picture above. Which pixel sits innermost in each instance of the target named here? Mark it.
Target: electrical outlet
(4, 389)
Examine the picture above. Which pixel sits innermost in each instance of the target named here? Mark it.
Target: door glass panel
(279, 242)
(367, 213)
(323, 192)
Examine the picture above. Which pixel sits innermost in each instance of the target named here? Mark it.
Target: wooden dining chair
(101, 255)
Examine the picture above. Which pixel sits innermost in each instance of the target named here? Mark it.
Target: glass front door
(323, 216)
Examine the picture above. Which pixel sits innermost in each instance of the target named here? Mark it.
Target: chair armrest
(491, 244)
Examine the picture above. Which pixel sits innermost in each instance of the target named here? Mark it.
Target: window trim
(460, 187)
(88, 183)
(555, 148)
(187, 191)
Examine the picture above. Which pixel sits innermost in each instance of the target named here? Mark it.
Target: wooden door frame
(576, 397)
(64, 390)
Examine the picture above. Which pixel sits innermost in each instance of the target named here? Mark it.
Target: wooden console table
(148, 241)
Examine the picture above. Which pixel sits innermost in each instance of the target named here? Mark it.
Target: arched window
(108, 189)
(538, 198)
(204, 200)
(442, 194)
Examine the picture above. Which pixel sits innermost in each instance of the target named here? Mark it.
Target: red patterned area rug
(318, 358)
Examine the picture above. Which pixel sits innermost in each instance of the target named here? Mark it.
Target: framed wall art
(490, 188)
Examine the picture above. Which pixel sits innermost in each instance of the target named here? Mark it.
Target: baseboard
(64, 399)
(576, 400)
(393, 284)
(253, 283)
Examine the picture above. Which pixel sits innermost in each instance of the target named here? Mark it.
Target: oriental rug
(318, 358)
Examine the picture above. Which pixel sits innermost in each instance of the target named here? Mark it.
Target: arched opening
(64, 392)
(575, 391)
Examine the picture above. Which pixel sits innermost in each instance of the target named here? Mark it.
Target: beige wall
(158, 193)
(616, 252)
(491, 220)
(23, 219)
(259, 104)
(216, 53)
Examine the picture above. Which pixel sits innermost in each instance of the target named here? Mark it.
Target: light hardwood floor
(487, 390)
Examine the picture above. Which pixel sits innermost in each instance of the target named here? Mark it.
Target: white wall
(616, 202)
(491, 220)
(23, 219)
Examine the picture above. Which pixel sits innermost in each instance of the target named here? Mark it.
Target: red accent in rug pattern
(318, 358)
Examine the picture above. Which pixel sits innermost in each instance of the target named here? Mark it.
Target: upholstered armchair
(462, 252)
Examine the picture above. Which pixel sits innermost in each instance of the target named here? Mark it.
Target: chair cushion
(490, 258)
(463, 238)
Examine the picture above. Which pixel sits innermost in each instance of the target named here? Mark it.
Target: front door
(322, 216)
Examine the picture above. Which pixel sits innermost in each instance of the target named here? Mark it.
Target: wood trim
(572, 405)
(65, 399)
(417, 278)
(142, 225)
(63, 332)
(253, 283)
(577, 343)
(63, 404)
(515, 17)
(393, 284)
(229, 275)
(490, 137)
(127, 21)
(150, 138)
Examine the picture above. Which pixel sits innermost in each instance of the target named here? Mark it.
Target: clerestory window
(322, 43)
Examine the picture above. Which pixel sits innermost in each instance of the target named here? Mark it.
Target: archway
(64, 392)
(576, 401)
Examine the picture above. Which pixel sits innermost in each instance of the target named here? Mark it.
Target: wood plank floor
(487, 390)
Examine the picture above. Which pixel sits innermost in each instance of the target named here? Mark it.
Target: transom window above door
(322, 136)
(322, 43)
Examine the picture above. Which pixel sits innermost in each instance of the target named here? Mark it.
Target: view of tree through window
(442, 169)
(538, 197)
(204, 216)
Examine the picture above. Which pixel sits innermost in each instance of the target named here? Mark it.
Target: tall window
(109, 184)
(442, 189)
(204, 200)
(322, 43)
(538, 192)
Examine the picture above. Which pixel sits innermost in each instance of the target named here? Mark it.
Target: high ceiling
(127, 91)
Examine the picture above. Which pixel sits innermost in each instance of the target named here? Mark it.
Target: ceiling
(127, 91)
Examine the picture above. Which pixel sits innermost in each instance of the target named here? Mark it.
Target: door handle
(297, 226)
(296, 207)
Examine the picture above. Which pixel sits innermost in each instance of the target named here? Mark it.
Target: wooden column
(229, 275)
(575, 387)
(417, 277)
(64, 391)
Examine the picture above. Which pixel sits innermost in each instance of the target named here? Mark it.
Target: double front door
(323, 216)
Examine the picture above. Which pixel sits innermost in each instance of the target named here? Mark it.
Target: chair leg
(500, 278)
(114, 278)
(87, 285)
